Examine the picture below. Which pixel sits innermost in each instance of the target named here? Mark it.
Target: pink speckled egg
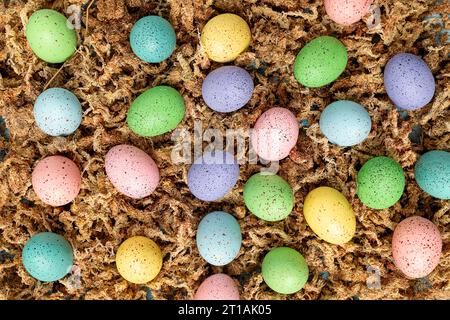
(131, 171)
(217, 287)
(347, 12)
(275, 134)
(416, 246)
(56, 180)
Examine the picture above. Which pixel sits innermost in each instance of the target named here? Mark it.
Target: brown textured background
(106, 77)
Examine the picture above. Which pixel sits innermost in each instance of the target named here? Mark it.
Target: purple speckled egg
(213, 175)
(227, 89)
(408, 81)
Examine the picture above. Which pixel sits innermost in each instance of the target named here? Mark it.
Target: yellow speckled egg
(138, 260)
(329, 215)
(225, 36)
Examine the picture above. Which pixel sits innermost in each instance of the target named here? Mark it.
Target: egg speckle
(217, 287)
(432, 173)
(347, 12)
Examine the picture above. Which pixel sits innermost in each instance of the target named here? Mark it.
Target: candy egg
(275, 134)
(49, 36)
(219, 238)
(320, 62)
(156, 111)
(217, 287)
(268, 196)
(57, 112)
(347, 12)
(227, 89)
(408, 81)
(56, 180)
(345, 123)
(432, 173)
(213, 175)
(284, 270)
(153, 39)
(416, 246)
(139, 259)
(131, 171)
(330, 215)
(380, 183)
(225, 36)
(47, 256)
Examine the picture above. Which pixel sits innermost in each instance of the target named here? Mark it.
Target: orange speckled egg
(56, 180)
(217, 287)
(347, 12)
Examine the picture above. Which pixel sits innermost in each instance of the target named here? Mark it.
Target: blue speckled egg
(219, 238)
(213, 175)
(47, 256)
(432, 173)
(57, 112)
(345, 123)
(153, 39)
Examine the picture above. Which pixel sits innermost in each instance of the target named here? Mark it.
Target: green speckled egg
(156, 111)
(268, 196)
(381, 182)
(284, 270)
(320, 62)
(432, 173)
(49, 36)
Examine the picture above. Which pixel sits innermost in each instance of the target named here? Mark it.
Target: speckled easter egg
(57, 112)
(131, 171)
(275, 134)
(217, 287)
(139, 259)
(346, 12)
(380, 183)
(408, 81)
(268, 196)
(56, 180)
(153, 39)
(345, 123)
(156, 111)
(432, 173)
(47, 256)
(49, 36)
(227, 89)
(225, 36)
(284, 270)
(219, 238)
(330, 215)
(416, 246)
(213, 175)
(320, 62)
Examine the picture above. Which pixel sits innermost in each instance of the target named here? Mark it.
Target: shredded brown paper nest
(106, 76)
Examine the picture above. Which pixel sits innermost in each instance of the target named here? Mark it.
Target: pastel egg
(345, 123)
(432, 173)
(284, 270)
(131, 171)
(217, 287)
(213, 175)
(227, 89)
(56, 180)
(275, 134)
(153, 39)
(225, 37)
(416, 246)
(268, 196)
(156, 111)
(320, 62)
(49, 36)
(330, 215)
(408, 81)
(219, 238)
(47, 256)
(380, 183)
(57, 112)
(139, 260)
(347, 12)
